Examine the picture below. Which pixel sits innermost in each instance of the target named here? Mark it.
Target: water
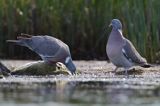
(94, 86)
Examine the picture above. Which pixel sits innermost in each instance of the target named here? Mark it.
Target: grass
(80, 24)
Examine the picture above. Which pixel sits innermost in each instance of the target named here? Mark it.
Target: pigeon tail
(21, 40)
(15, 42)
(25, 35)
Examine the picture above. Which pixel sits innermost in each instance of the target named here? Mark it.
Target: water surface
(94, 85)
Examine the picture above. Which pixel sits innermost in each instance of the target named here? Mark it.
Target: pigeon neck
(117, 33)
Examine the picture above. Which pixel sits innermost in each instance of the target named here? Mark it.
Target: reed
(80, 24)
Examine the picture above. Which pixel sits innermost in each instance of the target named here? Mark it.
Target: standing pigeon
(121, 51)
(50, 49)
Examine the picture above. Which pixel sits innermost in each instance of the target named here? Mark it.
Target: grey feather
(120, 50)
(132, 53)
(50, 49)
(125, 54)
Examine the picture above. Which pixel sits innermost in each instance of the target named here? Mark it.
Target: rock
(41, 68)
(35, 68)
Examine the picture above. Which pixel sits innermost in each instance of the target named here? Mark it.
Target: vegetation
(81, 24)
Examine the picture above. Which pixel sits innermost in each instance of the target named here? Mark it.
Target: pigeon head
(70, 65)
(115, 23)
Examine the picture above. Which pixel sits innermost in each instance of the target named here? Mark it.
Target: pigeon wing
(132, 54)
(45, 45)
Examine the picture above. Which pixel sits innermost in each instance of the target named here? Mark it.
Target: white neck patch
(67, 60)
(120, 31)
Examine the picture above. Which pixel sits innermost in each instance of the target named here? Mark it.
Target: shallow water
(94, 86)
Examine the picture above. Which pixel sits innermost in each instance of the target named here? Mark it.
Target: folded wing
(132, 54)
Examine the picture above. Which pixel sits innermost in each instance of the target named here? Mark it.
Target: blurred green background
(81, 24)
